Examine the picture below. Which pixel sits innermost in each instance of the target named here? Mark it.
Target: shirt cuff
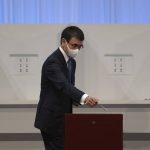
(83, 99)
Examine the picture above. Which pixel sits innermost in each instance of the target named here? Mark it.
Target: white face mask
(72, 52)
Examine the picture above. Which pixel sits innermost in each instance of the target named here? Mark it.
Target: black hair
(72, 31)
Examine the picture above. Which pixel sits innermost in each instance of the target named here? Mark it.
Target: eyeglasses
(74, 46)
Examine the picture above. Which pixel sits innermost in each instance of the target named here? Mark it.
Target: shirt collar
(64, 54)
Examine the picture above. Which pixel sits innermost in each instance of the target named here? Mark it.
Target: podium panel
(93, 132)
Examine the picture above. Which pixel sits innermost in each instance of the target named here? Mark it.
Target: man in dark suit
(58, 92)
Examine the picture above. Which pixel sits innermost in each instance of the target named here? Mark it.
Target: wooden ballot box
(93, 132)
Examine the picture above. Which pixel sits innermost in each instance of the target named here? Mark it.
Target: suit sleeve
(54, 73)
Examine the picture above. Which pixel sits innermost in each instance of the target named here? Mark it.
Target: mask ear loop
(68, 47)
(64, 40)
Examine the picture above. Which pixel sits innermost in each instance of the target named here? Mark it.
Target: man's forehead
(75, 40)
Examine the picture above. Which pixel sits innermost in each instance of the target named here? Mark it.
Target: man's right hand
(91, 101)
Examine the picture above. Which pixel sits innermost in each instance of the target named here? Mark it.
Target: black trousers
(53, 141)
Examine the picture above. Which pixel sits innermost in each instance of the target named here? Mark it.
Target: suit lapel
(61, 58)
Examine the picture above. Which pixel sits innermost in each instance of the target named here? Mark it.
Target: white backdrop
(113, 66)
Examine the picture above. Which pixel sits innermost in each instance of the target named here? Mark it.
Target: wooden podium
(93, 132)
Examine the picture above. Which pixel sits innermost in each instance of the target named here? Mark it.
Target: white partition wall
(114, 64)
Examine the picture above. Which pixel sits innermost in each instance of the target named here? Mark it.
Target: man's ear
(63, 40)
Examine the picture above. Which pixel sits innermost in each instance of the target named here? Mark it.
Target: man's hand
(91, 101)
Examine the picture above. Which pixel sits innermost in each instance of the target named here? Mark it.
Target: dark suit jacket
(57, 93)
